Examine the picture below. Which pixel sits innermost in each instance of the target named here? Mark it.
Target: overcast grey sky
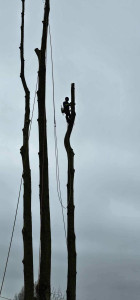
(96, 44)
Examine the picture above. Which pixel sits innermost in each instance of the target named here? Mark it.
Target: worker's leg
(67, 118)
(69, 114)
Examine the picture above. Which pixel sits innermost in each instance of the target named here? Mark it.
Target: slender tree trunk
(27, 217)
(71, 280)
(45, 249)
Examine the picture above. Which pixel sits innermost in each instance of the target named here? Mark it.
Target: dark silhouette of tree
(45, 232)
(27, 217)
(71, 280)
(43, 288)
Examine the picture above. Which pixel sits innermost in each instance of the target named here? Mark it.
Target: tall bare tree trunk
(27, 217)
(45, 249)
(71, 280)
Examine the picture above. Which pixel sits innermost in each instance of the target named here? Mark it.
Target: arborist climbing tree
(71, 245)
(66, 109)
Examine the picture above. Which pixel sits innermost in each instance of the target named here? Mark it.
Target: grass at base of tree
(55, 295)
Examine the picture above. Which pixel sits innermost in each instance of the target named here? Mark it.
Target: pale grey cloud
(96, 45)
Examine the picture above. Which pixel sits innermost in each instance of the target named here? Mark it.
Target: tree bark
(45, 232)
(27, 217)
(71, 279)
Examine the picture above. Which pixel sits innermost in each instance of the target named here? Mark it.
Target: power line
(56, 145)
(21, 181)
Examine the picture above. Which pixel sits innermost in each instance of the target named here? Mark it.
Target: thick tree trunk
(71, 280)
(45, 234)
(27, 217)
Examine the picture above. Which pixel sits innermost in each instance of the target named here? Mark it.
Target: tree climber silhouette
(66, 109)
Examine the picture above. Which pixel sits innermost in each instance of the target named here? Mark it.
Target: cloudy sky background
(96, 44)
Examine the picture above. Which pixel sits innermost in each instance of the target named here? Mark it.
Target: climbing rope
(11, 237)
(56, 144)
(55, 135)
(21, 181)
